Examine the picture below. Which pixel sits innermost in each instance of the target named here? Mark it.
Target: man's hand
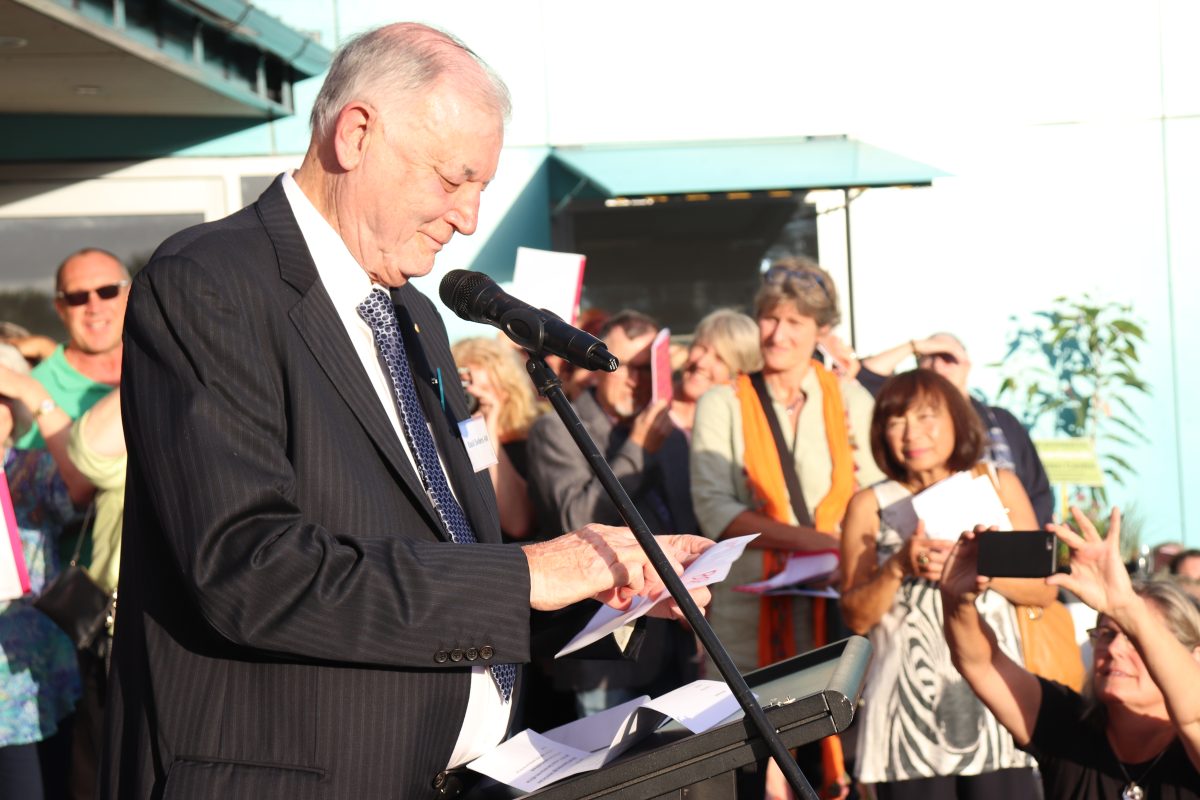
(603, 563)
(651, 427)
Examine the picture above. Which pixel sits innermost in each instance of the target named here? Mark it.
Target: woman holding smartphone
(1136, 734)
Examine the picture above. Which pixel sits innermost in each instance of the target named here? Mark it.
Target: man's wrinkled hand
(601, 562)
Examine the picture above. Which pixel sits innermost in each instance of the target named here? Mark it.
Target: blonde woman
(493, 374)
(724, 346)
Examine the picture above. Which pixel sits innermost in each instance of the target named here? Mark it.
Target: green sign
(1072, 461)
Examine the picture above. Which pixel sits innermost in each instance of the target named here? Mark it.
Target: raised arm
(55, 427)
(1012, 694)
(1098, 577)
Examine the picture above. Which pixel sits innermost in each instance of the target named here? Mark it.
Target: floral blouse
(39, 676)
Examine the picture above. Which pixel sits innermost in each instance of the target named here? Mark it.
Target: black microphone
(475, 297)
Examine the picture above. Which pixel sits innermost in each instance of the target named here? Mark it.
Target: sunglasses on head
(103, 292)
(780, 274)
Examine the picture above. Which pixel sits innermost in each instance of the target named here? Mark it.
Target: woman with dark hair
(922, 732)
(1136, 732)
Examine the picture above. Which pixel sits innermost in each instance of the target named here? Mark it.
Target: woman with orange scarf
(739, 481)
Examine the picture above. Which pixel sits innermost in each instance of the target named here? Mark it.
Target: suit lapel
(323, 332)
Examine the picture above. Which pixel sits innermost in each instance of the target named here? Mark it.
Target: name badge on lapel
(479, 444)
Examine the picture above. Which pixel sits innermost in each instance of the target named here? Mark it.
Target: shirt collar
(344, 278)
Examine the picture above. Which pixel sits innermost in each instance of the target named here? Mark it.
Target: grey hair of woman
(22, 418)
(734, 337)
(394, 60)
(1180, 611)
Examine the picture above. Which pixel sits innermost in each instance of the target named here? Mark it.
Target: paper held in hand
(531, 760)
(798, 575)
(711, 566)
(14, 577)
(949, 507)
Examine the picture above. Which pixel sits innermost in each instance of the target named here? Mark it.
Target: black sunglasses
(103, 292)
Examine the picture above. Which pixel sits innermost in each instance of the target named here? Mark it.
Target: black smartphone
(1017, 554)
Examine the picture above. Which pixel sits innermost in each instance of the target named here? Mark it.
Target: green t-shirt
(74, 392)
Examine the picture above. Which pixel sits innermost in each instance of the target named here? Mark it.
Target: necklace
(1132, 790)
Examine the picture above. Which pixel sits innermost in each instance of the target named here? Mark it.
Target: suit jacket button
(456, 655)
(472, 654)
(486, 652)
(441, 656)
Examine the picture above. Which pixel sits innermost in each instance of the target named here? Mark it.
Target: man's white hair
(397, 59)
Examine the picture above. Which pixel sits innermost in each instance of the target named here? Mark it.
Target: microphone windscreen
(457, 289)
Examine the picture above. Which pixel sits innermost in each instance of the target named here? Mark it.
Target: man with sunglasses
(91, 289)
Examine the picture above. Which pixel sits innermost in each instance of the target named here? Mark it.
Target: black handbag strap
(84, 531)
(795, 495)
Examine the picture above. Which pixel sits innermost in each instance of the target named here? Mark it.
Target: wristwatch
(45, 407)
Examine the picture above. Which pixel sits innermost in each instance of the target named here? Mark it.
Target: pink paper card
(660, 366)
(14, 576)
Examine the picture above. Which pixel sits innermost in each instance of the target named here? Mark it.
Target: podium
(806, 698)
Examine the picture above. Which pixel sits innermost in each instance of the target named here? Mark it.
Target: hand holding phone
(1017, 554)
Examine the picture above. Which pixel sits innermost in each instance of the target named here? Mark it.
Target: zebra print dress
(920, 719)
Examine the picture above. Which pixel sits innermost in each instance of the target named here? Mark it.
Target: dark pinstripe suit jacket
(288, 596)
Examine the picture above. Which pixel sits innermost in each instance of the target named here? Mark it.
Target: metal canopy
(161, 58)
(815, 162)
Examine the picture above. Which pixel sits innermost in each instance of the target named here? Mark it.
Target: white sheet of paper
(549, 280)
(958, 504)
(529, 761)
(598, 731)
(475, 437)
(800, 567)
(698, 706)
(711, 566)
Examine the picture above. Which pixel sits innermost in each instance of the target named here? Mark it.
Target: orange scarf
(764, 474)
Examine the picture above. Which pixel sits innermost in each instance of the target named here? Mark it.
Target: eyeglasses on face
(1103, 636)
(103, 292)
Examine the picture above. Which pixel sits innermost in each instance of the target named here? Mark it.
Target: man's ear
(351, 134)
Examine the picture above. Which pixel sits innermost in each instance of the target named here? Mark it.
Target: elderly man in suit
(314, 598)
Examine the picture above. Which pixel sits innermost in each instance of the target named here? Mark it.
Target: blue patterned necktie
(378, 312)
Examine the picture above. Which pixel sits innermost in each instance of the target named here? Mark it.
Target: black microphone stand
(549, 386)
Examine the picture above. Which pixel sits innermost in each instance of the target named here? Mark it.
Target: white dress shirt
(348, 285)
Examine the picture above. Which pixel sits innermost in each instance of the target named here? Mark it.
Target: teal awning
(151, 58)
(815, 162)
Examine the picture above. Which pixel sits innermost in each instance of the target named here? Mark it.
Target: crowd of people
(275, 632)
